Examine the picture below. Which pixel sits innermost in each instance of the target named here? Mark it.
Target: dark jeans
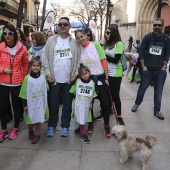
(115, 83)
(54, 101)
(4, 104)
(104, 99)
(147, 77)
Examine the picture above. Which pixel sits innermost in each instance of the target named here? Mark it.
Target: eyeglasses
(63, 24)
(157, 25)
(107, 33)
(8, 33)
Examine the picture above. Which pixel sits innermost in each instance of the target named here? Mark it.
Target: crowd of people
(35, 76)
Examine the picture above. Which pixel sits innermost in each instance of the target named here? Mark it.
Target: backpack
(124, 62)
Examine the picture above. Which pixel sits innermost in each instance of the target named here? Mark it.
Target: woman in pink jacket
(13, 69)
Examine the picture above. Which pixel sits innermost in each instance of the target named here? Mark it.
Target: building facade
(9, 13)
(135, 17)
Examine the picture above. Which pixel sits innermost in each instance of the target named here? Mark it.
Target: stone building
(9, 13)
(135, 17)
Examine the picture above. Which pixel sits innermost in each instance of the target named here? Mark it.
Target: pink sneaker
(3, 135)
(14, 133)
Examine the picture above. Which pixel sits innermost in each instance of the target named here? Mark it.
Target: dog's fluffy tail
(152, 139)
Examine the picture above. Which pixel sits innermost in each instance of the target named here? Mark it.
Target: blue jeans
(147, 77)
(54, 101)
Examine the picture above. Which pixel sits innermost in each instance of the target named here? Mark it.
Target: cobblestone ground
(101, 154)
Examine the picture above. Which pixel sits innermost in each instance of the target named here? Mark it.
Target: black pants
(105, 105)
(9, 112)
(4, 104)
(115, 83)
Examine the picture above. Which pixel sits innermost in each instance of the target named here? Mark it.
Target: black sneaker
(134, 108)
(107, 133)
(85, 139)
(77, 131)
(159, 115)
(120, 121)
(99, 117)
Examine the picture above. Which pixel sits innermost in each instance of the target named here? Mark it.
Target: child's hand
(25, 109)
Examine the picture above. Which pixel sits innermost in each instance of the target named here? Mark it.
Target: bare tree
(20, 13)
(90, 10)
(83, 13)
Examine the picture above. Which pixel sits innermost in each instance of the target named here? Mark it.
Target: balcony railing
(10, 5)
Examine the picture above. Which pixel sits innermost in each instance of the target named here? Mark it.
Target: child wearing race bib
(34, 98)
(84, 90)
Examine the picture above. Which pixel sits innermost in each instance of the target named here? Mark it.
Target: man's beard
(157, 31)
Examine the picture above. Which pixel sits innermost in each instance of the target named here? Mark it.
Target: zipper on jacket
(11, 63)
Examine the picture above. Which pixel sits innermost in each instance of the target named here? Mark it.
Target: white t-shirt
(62, 60)
(12, 50)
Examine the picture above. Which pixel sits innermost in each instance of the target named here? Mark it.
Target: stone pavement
(101, 154)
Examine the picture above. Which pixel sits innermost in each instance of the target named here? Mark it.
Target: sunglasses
(107, 33)
(63, 24)
(79, 30)
(88, 35)
(8, 33)
(157, 25)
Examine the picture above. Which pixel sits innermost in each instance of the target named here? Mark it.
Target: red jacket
(18, 64)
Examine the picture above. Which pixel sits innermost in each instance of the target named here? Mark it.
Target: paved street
(101, 154)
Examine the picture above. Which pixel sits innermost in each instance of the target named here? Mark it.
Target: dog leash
(113, 108)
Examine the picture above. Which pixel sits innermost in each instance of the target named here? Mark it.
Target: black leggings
(115, 83)
(4, 104)
(105, 105)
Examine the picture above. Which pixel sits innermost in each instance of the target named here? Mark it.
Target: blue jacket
(152, 61)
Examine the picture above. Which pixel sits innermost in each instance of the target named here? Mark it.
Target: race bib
(155, 50)
(63, 54)
(85, 91)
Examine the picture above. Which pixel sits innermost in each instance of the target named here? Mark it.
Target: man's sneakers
(64, 132)
(3, 135)
(134, 108)
(50, 132)
(159, 115)
(14, 133)
(85, 139)
(107, 133)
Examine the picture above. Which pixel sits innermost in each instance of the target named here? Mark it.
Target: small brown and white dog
(129, 144)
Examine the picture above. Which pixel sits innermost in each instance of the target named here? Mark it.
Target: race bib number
(85, 91)
(155, 50)
(63, 54)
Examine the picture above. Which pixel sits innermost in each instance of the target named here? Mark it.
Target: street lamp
(159, 8)
(110, 12)
(37, 4)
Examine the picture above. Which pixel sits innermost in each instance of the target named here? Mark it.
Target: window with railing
(10, 4)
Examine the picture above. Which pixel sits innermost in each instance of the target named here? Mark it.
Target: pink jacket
(18, 64)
